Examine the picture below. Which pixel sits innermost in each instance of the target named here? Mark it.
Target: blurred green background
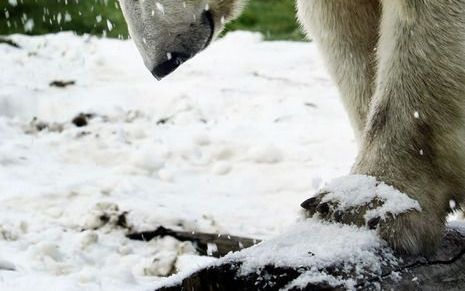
(274, 18)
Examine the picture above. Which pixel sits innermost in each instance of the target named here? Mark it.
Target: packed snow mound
(355, 190)
(312, 246)
(318, 244)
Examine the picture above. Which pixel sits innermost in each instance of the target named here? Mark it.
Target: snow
(296, 248)
(355, 190)
(232, 142)
(287, 249)
(314, 243)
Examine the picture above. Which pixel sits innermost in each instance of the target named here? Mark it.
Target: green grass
(81, 16)
(274, 18)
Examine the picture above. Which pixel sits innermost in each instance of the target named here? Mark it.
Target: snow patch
(355, 190)
(314, 244)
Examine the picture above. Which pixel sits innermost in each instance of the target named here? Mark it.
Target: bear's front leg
(406, 224)
(414, 139)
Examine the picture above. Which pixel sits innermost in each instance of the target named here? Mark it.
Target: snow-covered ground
(232, 142)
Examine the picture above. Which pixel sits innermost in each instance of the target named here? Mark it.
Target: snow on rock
(351, 243)
(355, 190)
(164, 261)
(315, 244)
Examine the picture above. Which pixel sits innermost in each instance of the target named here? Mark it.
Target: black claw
(310, 203)
(373, 223)
(323, 208)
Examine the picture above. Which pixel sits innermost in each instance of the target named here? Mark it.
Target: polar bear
(400, 69)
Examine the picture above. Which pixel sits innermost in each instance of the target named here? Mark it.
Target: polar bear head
(169, 32)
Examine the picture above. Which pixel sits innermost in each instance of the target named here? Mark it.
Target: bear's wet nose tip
(174, 60)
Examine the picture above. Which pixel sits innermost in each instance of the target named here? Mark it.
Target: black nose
(192, 43)
(175, 59)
